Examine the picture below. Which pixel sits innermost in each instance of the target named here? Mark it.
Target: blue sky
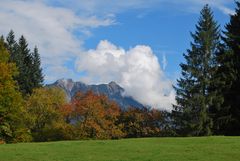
(137, 43)
(165, 30)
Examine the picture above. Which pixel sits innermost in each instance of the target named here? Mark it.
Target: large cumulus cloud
(137, 70)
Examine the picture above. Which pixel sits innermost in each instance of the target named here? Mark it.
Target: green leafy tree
(12, 127)
(194, 96)
(44, 116)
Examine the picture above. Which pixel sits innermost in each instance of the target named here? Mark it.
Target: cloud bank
(137, 70)
(52, 30)
(219, 4)
(98, 7)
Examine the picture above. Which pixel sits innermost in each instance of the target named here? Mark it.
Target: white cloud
(226, 10)
(51, 29)
(196, 5)
(164, 62)
(137, 70)
(100, 7)
(104, 7)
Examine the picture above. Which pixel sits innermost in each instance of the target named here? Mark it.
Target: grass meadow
(142, 149)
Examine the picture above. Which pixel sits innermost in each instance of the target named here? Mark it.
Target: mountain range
(112, 90)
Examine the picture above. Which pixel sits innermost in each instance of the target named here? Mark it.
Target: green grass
(147, 149)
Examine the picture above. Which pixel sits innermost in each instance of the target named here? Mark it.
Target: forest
(207, 94)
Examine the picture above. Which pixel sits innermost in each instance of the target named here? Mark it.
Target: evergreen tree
(28, 64)
(223, 78)
(194, 98)
(230, 63)
(12, 46)
(37, 76)
(24, 63)
(2, 38)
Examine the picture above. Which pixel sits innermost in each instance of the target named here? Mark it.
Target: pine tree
(28, 63)
(37, 76)
(2, 38)
(12, 46)
(230, 62)
(24, 63)
(219, 110)
(194, 98)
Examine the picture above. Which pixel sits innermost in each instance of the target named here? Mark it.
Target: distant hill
(112, 90)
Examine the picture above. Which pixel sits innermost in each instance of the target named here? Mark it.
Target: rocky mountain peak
(67, 84)
(114, 87)
(112, 90)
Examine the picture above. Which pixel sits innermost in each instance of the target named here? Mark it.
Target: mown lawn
(147, 149)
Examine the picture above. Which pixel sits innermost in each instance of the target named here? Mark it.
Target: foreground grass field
(147, 149)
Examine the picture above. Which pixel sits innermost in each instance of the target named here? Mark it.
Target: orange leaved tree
(95, 116)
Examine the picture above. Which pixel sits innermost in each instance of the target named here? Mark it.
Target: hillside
(112, 90)
(148, 149)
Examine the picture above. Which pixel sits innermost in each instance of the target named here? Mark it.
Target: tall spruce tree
(230, 62)
(24, 63)
(219, 111)
(193, 97)
(37, 76)
(12, 46)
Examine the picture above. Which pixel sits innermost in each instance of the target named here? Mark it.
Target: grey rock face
(112, 90)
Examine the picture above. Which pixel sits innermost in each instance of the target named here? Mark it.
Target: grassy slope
(148, 149)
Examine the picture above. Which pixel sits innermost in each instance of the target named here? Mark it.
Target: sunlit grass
(146, 149)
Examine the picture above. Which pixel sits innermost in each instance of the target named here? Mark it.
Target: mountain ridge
(112, 90)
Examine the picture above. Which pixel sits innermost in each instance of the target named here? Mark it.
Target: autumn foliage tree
(95, 116)
(12, 127)
(141, 122)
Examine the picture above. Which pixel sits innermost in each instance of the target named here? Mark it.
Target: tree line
(208, 92)
(88, 116)
(207, 95)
